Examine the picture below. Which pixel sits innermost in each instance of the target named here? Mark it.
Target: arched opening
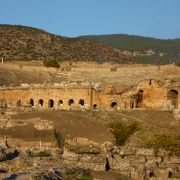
(107, 166)
(3, 103)
(140, 98)
(51, 103)
(114, 105)
(81, 102)
(31, 102)
(150, 81)
(19, 103)
(40, 102)
(170, 173)
(70, 102)
(94, 106)
(172, 98)
(60, 102)
(131, 105)
(151, 174)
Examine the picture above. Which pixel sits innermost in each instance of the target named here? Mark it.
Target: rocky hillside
(27, 43)
(143, 49)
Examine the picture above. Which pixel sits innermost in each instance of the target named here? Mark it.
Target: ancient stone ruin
(148, 94)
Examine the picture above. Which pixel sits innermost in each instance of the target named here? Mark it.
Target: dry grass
(124, 77)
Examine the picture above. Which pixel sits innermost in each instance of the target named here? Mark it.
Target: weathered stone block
(145, 152)
(70, 156)
(119, 164)
(127, 151)
(92, 158)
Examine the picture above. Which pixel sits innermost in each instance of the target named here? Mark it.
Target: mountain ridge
(27, 43)
(165, 50)
(19, 42)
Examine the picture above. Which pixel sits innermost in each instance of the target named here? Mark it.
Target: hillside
(27, 43)
(144, 49)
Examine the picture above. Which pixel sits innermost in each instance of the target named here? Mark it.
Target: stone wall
(137, 163)
(148, 94)
(56, 98)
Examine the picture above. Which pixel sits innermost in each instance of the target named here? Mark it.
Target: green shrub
(77, 174)
(58, 138)
(80, 149)
(163, 141)
(113, 69)
(44, 153)
(51, 63)
(177, 63)
(123, 131)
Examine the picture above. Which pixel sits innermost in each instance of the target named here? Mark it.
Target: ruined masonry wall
(90, 97)
(154, 96)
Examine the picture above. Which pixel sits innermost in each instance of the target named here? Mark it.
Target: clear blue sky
(154, 18)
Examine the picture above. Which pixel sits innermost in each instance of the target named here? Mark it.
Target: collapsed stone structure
(150, 94)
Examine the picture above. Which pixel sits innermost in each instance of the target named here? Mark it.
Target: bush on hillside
(163, 141)
(123, 131)
(51, 63)
(177, 63)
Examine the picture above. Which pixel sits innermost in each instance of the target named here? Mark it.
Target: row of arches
(51, 102)
(137, 102)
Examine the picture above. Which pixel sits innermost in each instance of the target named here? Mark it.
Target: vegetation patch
(85, 149)
(169, 48)
(58, 138)
(45, 153)
(113, 69)
(77, 173)
(177, 63)
(122, 131)
(51, 63)
(163, 141)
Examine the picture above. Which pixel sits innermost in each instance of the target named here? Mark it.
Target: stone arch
(140, 97)
(70, 102)
(51, 103)
(31, 102)
(150, 81)
(3, 103)
(125, 104)
(107, 165)
(94, 106)
(114, 105)
(18, 103)
(172, 98)
(131, 104)
(81, 102)
(40, 102)
(60, 102)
